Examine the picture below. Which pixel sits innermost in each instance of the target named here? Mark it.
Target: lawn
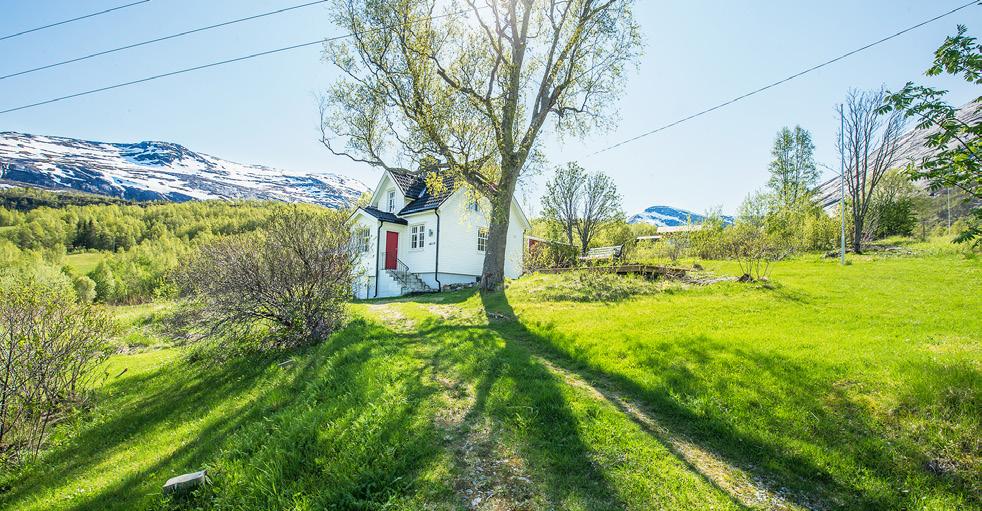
(857, 386)
(852, 387)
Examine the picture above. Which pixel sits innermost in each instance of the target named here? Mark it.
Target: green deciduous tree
(894, 206)
(793, 171)
(473, 86)
(953, 161)
(582, 203)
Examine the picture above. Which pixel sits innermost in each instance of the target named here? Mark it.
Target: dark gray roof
(384, 216)
(406, 181)
(427, 200)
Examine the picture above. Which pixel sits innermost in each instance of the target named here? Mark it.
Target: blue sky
(264, 111)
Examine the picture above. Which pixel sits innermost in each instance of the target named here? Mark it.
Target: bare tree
(473, 86)
(869, 146)
(295, 278)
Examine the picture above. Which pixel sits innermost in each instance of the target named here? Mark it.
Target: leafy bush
(294, 280)
(819, 232)
(50, 341)
(550, 255)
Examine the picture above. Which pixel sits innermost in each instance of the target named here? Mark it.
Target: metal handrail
(401, 266)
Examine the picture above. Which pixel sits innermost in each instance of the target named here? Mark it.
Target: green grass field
(84, 262)
(853, 387)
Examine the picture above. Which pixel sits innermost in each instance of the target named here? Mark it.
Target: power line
(779, 82)
(28, 31)
(164, 38)
(221, 63)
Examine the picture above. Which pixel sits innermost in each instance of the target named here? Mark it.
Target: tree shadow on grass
(778, 452)
(525, 398)
(271, 437)
(527, 412)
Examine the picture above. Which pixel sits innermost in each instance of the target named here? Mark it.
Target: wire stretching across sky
(779, 82)
(457, 13)
(221, 63)
(94, 14)
(159, 39)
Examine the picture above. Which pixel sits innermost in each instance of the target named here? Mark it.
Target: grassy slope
(846, 397)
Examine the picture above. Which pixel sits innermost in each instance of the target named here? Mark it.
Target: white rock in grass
(183, 483)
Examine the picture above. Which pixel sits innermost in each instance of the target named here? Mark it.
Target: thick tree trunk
(493, 275)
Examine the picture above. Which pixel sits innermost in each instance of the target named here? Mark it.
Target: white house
(411, 240)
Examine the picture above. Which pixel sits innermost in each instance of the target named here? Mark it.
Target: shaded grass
(360, 422)
(271, 437)
(145, 325)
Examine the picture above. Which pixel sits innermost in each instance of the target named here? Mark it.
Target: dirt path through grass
(493, 476)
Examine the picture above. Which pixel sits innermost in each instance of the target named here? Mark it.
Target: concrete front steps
(410, 282)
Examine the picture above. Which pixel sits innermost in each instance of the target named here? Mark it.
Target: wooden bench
(599, 253)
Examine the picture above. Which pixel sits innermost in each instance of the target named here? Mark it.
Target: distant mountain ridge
(667, 216)
(152, 170)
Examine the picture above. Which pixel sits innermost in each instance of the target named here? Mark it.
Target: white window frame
(417, 237)
(391, 203)
(362, 238)
(482, 239)
(474, 205)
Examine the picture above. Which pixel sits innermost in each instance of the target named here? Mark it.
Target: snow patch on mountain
(153, 170)
(667, 216)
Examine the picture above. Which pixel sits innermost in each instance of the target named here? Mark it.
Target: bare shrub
(293, 280)
(754, 249)
(49, 344)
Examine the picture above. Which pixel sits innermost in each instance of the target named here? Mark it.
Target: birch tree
(581, 203)
(473, 84)
(793, 171)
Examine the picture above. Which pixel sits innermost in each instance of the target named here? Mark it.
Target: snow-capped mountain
(159, 171)
(667, 216)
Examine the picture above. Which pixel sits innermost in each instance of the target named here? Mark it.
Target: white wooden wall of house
(459, 254)
(460, 259)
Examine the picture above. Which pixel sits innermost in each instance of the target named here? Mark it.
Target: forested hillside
(125, 249)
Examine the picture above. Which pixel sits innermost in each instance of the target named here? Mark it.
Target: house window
(392, 202)
(361, 239)
(482, 239)
(474, 206)
(416, 236)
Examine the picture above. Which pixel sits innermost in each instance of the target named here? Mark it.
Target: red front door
(391, 249)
